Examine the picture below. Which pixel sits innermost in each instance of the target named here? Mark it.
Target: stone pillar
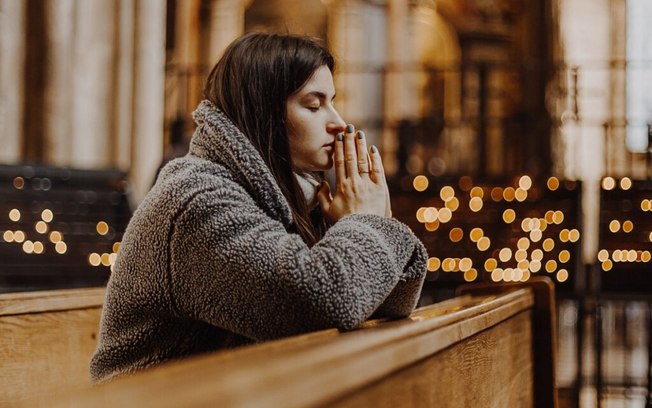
(125, 85)
(399, 92)
(94, 58)
(227, 23)
(12, 59)
(148, 97)
(59, 82)
(187, 53)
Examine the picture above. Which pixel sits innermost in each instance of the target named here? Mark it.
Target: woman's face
(313, 123)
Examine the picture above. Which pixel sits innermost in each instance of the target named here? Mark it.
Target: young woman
(240, 241)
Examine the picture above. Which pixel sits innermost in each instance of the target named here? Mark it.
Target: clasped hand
(361, 187)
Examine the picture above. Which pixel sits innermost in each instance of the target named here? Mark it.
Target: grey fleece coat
(209, 261)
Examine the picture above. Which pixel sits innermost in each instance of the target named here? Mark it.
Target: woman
(240, 241)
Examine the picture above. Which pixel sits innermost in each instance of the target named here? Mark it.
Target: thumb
(324, 196)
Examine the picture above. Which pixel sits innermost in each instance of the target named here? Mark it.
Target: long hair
(251, 84)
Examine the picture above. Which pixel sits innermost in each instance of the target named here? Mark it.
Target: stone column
(94, 58)
(227, 23)
(12, 60)
(124, 88)
(148, 97)
(59, 82)
(187, 53)
(399, 92)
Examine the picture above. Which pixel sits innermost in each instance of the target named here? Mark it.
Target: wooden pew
(46, 341)
(470, 351)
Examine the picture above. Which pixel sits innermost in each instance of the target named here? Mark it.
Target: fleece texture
(209, 261)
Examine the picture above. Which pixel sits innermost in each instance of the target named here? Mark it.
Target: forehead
(320, 82)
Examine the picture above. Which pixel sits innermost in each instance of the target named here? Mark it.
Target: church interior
(517, 141)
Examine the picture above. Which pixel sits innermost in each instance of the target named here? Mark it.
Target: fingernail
(340, 136)
(360, 134)
(349, 128)
(374, 149)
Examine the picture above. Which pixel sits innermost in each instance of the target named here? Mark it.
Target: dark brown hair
(251, 84)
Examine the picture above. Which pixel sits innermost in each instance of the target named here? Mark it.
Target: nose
(336, 124)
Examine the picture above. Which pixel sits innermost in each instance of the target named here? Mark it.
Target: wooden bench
(471, 351)
(46, 341)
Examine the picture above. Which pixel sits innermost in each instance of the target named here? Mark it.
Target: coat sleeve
(233, 266)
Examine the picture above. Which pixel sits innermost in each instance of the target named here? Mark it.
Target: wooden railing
(46, 341)
(471, 351)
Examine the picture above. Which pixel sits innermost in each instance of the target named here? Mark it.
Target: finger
(324, 196)
(350, 155)
(363, 157)
(340, 172)
(377, 169)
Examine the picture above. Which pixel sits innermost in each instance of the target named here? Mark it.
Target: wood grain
(326, 367)
(46, 344)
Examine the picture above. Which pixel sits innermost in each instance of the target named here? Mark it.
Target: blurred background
(516, 135)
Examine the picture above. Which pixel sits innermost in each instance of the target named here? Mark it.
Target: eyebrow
(319, 95)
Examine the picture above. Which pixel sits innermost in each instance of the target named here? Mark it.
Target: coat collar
(217, 139)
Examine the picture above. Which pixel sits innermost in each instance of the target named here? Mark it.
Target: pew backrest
(46, 341)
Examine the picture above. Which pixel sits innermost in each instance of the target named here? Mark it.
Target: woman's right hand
(361, 187)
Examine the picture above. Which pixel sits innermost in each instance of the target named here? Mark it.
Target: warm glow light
(608, 183)
(47, 215)
(446, 193)
(55, 236)
(645, 205)
(551, 266)
(523, 265)
(420, 183)
(61, 247)
(646, 256)
(453, 204)
(430, 214)
(505, 254)
(477, 192)
(19, 183)
(562, 275)
(625, 183)
(433, 264)
(523, 243)
(537, 255)
(14, 215)
(628, 226)
(475, 204)
(543, 224)
(603, 255)
(496, 194)
(558, 217)
(614, 226)
(497, 275)
(526, 224)
(509, 215)
(470, 275)
(102, 228)
(38, 247)
(447, 264)
(525, 182)
(535, 235)
(548, 244)
(574, 235)
(631, 255)
(19, 236)
(508, 194)
(607, 265)
(456, 234)
(617, 255)
(465, 183)
(465, 264)
(520, 195)
(564, 256)
(476, 234)
(490, 264)
(41, 227)
(564, 235)
(445, 215)
(8, 236)
(420, 214)
(484, 243)
(535, 265)
(549, 217)
(526, 276)
(520, 255)
(28, 247)
(508, 273)
(553, 183)
(105, 259)
(94, 259)
(432, 226)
